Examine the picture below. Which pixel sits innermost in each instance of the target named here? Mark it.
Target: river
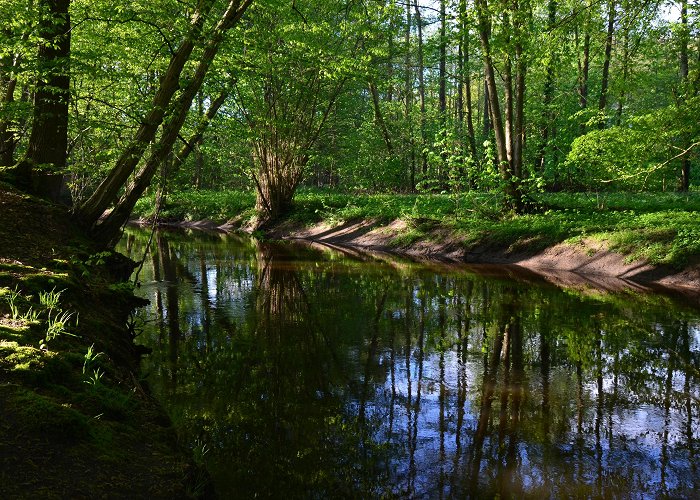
(300, 373)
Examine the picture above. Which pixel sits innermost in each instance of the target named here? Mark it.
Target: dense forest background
(107, 100)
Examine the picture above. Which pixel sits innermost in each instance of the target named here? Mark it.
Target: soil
(61, 435)
(586, 264)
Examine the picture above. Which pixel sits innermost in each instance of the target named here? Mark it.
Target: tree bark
(408, 90)
(107, 192)
(442, 91)
(602, 103)
(42, 169)
(379, 117)
(421, 88)
(683, 73)
(509, 132)
(8, 85)
(548, 90)
(471, 137)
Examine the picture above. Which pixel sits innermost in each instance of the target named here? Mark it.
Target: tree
(43, 166)
(293, 75)
(507, 124)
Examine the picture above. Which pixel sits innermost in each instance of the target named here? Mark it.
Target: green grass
(217, 206)
(661, 227)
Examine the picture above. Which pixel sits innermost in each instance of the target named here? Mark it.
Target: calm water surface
(293, 372)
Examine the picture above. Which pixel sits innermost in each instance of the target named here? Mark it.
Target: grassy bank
(76, 420)
(663, 228)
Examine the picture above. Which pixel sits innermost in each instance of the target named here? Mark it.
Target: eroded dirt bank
(588, 263)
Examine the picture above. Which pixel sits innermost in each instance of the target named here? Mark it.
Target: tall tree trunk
(196, 138)
(583, 70)
(379, 117)
(421, 87)
(602, 103)
(471, 137)
(548, 90)
(442, 91)
(107, 231)
(408, 90)
(509, 132)
(108, 190)
(490, 77)
(683, 74)
(625, 75)
(519, 125)
(442, 88)
(42, 168)
(8, 85)
(487, 125)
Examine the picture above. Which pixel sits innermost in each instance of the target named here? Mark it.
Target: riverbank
(77, 420)
(586, 262)
(647, 238)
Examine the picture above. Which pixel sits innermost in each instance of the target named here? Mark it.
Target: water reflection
(301, 373)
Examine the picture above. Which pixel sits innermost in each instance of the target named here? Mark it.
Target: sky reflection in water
(298, 373)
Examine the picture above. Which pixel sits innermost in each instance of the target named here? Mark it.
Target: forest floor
(75, 420)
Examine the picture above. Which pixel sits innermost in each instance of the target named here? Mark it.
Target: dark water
(297, 373)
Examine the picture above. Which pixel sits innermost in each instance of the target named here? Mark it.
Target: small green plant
(95, 378)
(90, 357)
(31, 315)
(56, 324)
(50, 299)
(12, 298)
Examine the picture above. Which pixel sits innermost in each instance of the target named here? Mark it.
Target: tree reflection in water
(300, 373)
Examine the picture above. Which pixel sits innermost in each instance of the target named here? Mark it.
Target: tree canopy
(100, 100)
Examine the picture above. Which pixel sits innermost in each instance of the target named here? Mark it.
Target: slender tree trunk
(548, 90)
(459, 80)
(508, 90)
(519, 124)
(487, 124)
(683, 73)
(379, 117)
(471, 137)
(509, 132)
(625, 75)
(408, 90)
(8, 85)
(196, 139)
(421, 87)
(602, 103)
(42, 168)
(490, 77)
(442, 91)
(583, 70)
(107, 192)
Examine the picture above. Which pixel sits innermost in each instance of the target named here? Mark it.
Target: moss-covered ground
(76, 421)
